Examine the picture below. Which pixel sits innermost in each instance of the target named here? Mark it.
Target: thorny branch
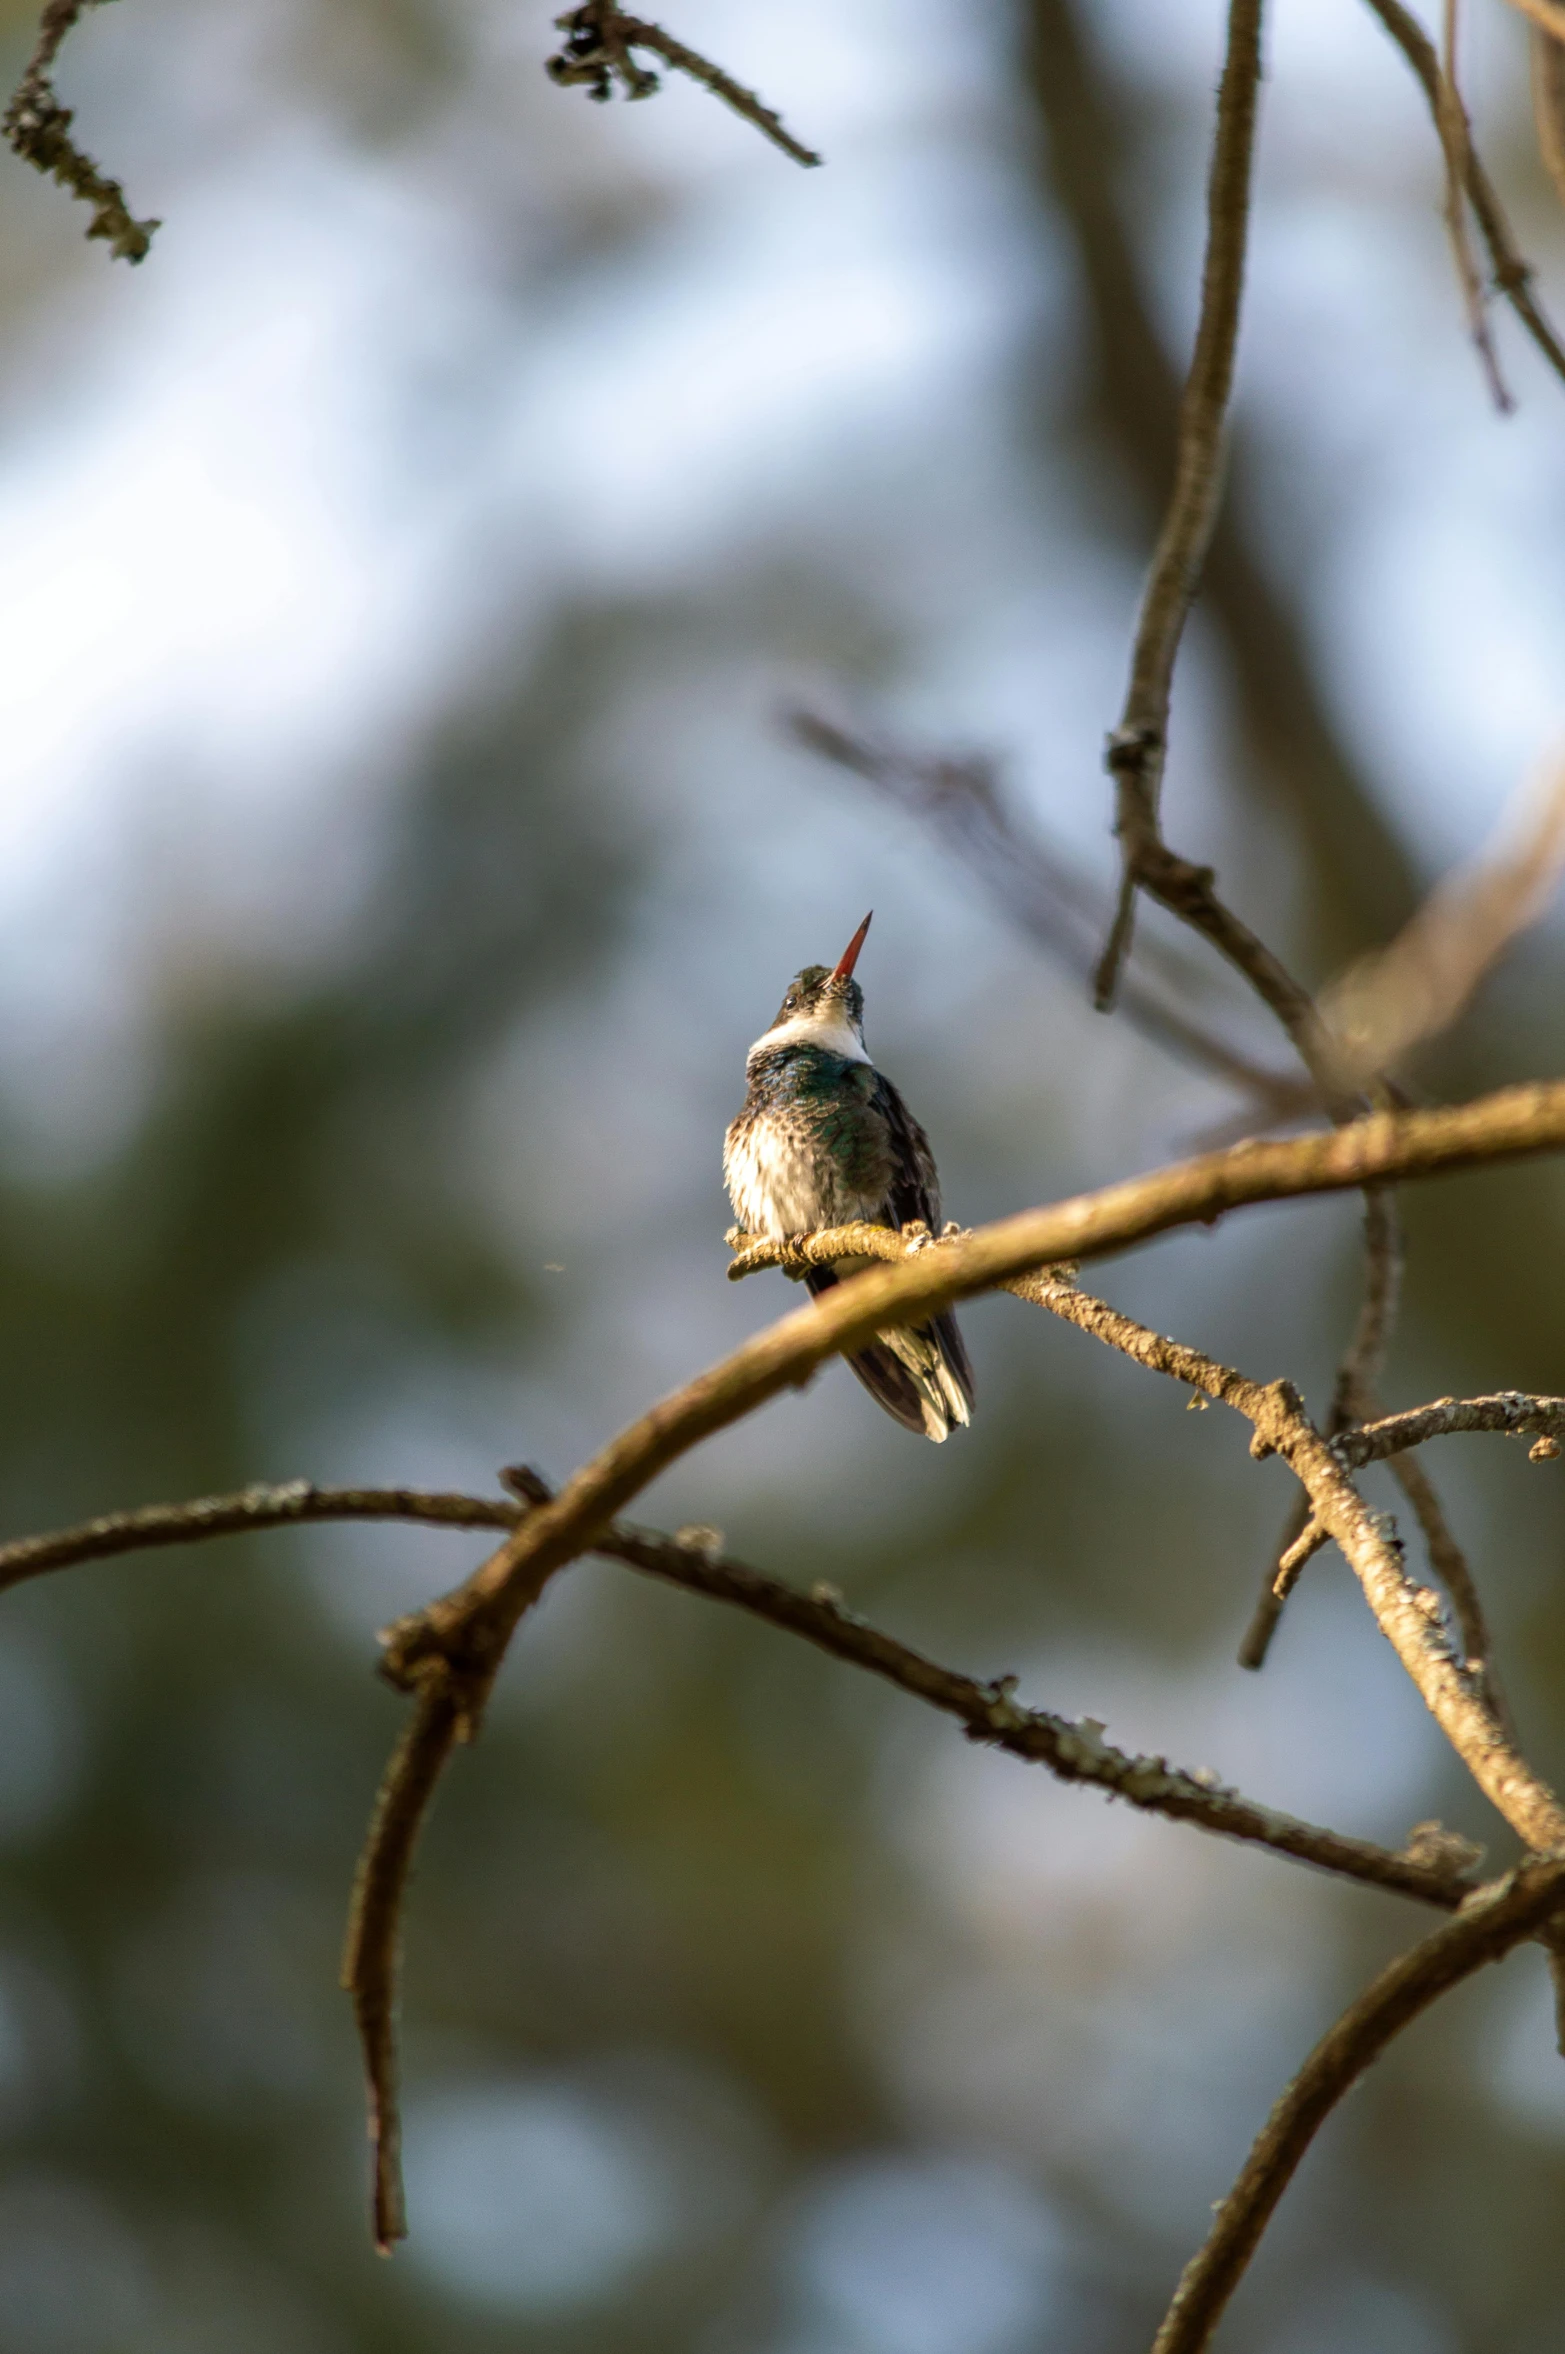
(38, 129)
(1492, 1921)
(1138, 745)
(597, 52)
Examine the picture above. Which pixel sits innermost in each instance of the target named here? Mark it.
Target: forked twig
(1491, 1922)
(38, 129)
(1512, 272)
(371, 1963)
(1356, 1376)
(1456, 144)
(1138, 745)
(599, 41)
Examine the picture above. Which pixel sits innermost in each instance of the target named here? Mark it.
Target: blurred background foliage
(399, 578)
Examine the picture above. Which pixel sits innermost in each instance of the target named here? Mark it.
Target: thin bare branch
(38, 128)
(1490, 1924)
(598, 51)
(1456, 145)
(372, 1956)
(1450, 1565)
(260, 1507)
(1138, 745)
(1512, 272)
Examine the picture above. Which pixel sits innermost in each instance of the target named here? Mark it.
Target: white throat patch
(832, 1031)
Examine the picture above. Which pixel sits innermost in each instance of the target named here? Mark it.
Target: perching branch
(450, 1652)
(597, 52)
(38, 128)
(1491, 1922)
(1138, 745)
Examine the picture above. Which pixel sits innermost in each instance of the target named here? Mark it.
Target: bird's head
(824, 1006)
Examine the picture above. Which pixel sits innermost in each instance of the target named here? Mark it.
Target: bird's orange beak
(850, 955)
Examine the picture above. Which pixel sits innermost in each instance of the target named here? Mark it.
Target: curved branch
(371, 1959)
(1490, 1923)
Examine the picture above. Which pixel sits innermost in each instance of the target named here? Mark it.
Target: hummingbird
(824, 1139)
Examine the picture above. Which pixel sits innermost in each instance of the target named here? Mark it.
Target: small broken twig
(1512, 271)
(38, 129)
(597, 52)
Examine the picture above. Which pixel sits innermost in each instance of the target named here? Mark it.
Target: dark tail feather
(893, 1386)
